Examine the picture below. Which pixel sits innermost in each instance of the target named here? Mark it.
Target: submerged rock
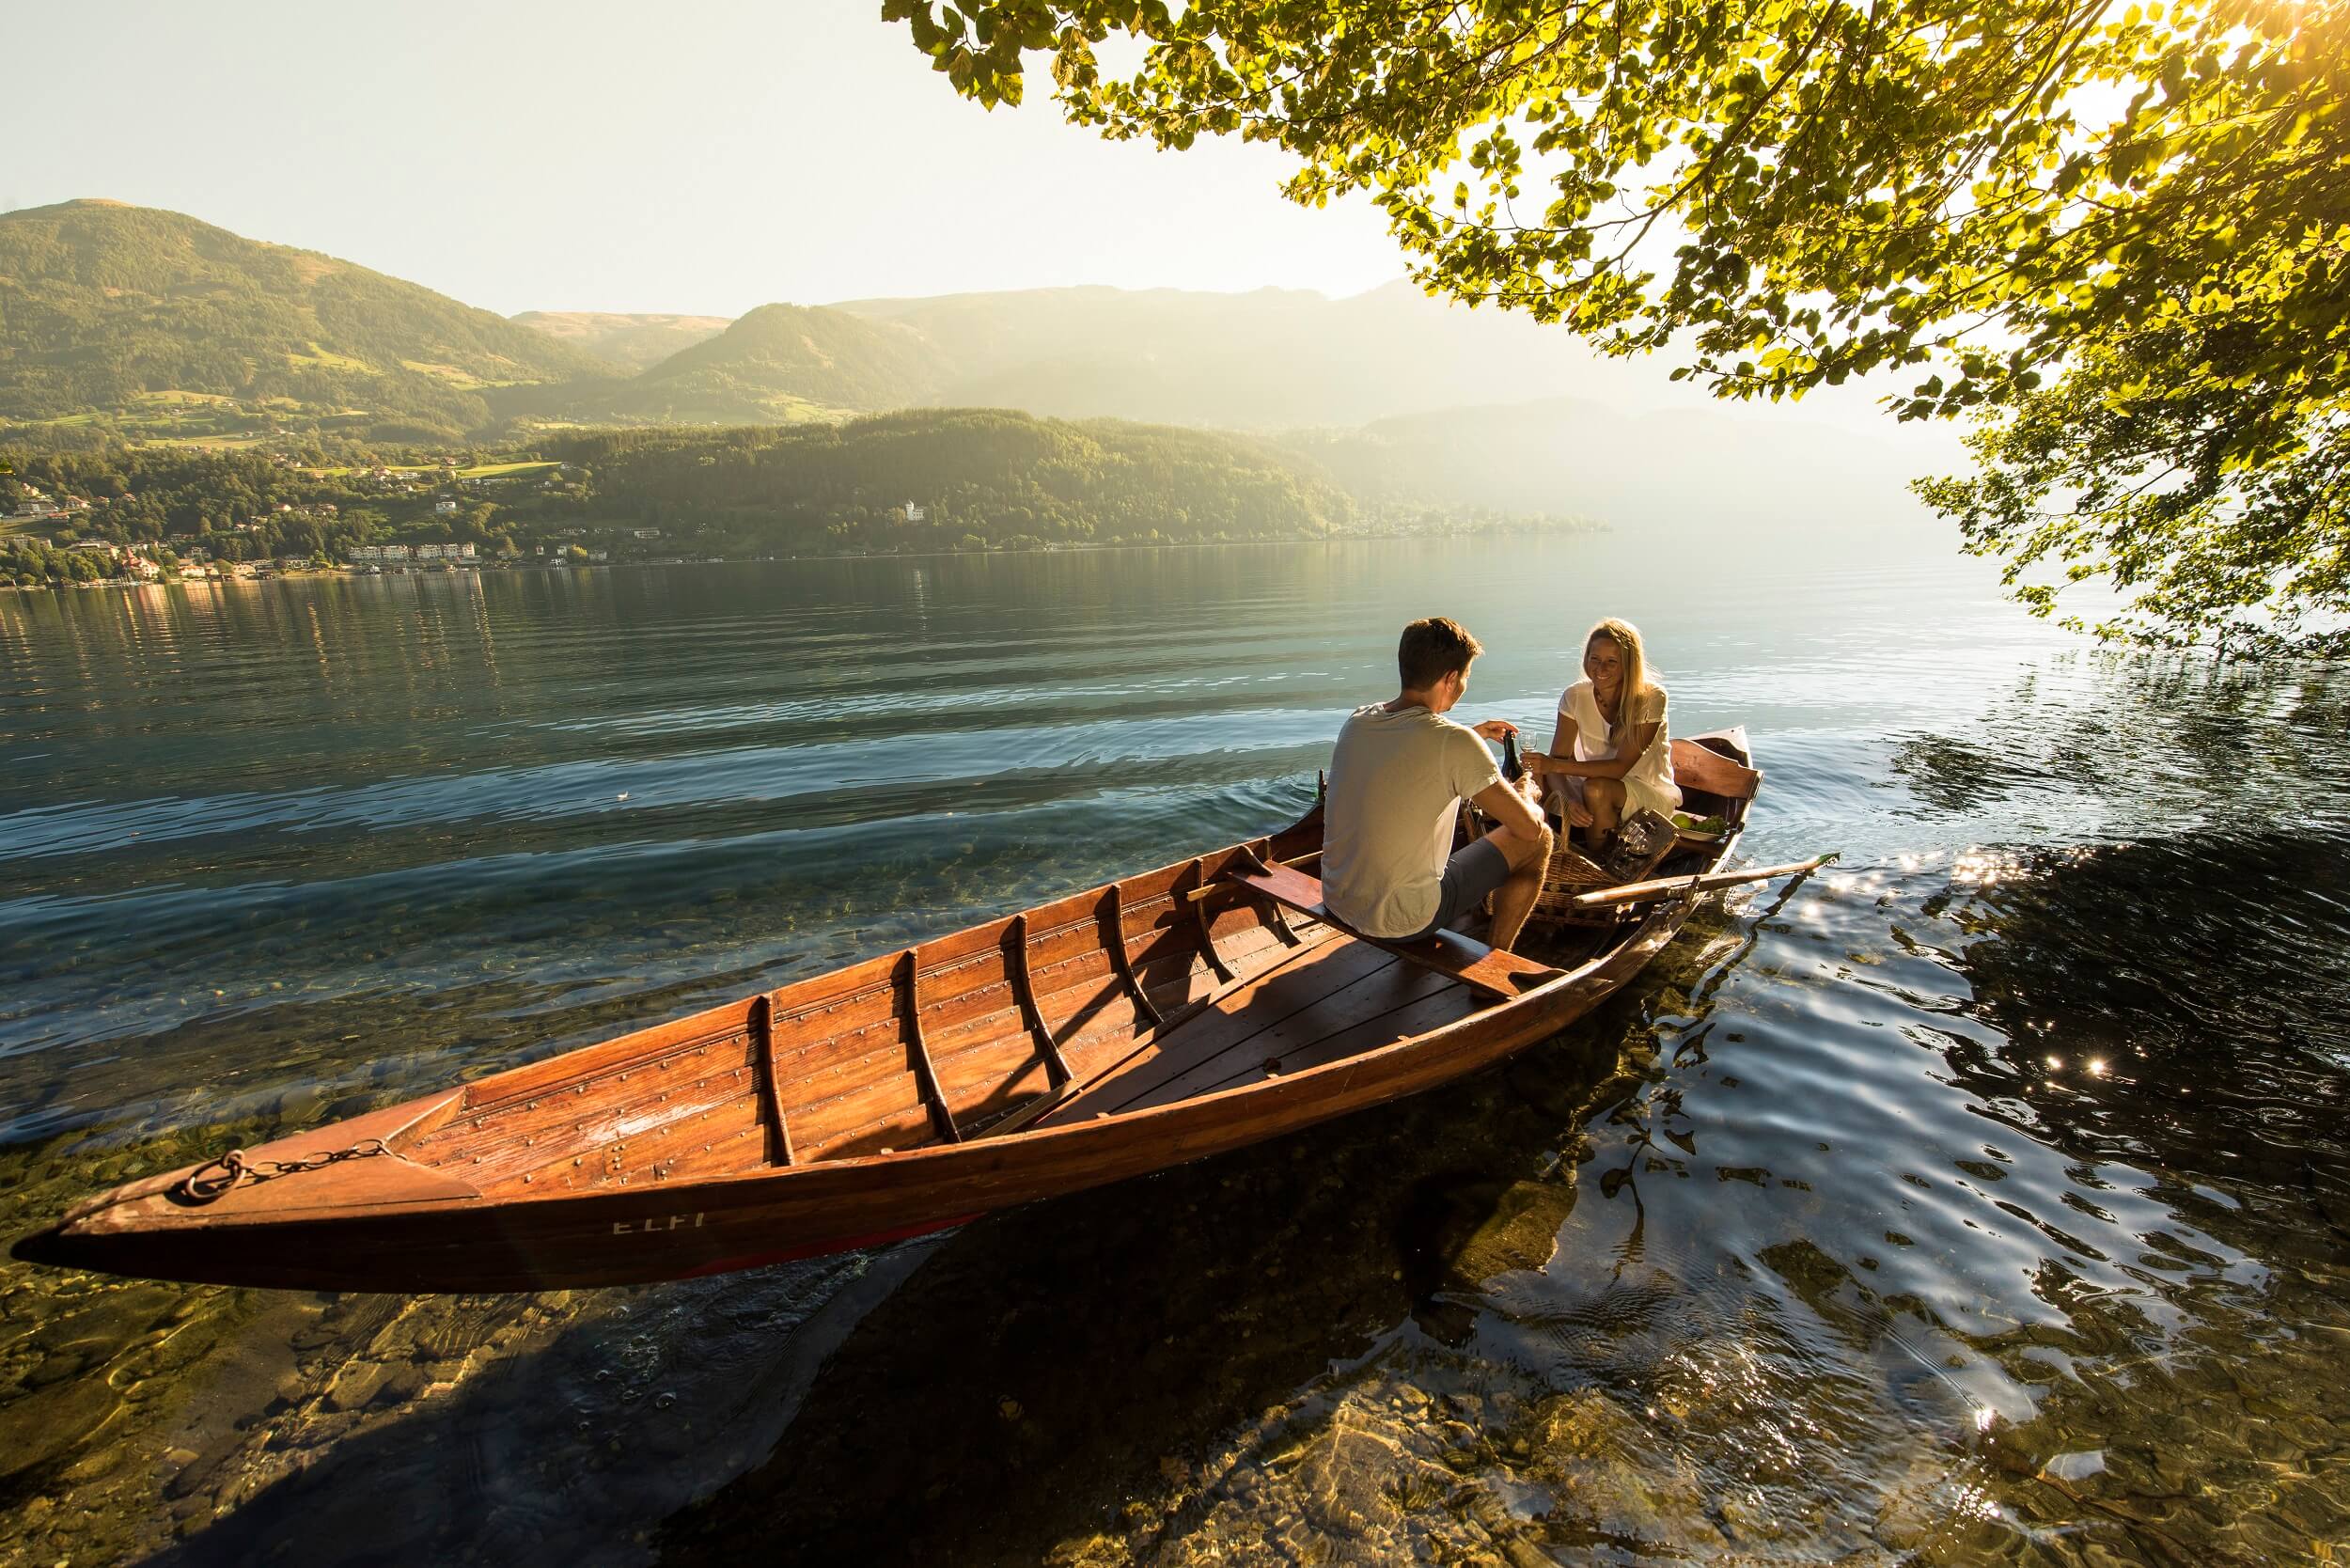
(1610, 1476)
(1520, 1233)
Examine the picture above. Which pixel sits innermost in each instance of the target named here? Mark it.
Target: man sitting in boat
(1398, 775)
(1610, 755)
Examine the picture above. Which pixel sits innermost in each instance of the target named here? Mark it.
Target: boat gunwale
(1653, 933)
(1631, 952)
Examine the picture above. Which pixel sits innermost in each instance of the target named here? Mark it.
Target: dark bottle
(1511, 769)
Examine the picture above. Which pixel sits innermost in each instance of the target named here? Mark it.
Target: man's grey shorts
(1468, 876)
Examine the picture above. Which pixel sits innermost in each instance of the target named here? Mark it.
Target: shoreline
(479, 569)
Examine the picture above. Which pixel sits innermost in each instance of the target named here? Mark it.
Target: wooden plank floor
(1329, 1001)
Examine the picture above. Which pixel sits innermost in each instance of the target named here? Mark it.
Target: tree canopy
(2117, 238)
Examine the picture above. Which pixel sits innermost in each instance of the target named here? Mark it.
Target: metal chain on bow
(232, 1170)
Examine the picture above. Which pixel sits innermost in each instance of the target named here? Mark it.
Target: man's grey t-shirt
(1395, 777)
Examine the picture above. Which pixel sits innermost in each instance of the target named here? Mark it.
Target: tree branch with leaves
(2116, 240)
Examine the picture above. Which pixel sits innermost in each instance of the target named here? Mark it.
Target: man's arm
(1517, 816)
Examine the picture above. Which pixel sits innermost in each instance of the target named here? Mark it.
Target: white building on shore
(400, 555)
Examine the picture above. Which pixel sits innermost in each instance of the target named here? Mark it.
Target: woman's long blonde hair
(1637, 685)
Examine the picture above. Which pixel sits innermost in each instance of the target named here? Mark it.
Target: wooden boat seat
(1495, 971)
(1700, 767)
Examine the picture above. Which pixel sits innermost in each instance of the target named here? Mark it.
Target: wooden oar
(1636, 892)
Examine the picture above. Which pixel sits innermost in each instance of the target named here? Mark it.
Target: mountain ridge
(122, 312)
(636, 340)
(120, 322)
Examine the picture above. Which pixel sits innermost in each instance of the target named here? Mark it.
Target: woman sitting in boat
(1610, 755)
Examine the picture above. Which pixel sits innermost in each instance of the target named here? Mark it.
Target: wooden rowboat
(1163, 1018)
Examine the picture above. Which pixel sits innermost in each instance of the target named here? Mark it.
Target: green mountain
(781, 364)
(129, 322)
(155, 323)
(133, 323)
(635, 342)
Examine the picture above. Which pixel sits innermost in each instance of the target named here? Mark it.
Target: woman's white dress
(1650, 783)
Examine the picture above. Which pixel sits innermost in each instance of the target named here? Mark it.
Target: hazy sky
(703, 155)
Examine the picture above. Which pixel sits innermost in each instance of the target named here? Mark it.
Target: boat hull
(640, 1235)
(371, 1218)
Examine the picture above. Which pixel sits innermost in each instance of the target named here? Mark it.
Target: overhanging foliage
(2117, 238)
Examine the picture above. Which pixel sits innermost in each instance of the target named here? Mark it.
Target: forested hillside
(927, 481)
(980, 477)
(779, 363)
(155, 323)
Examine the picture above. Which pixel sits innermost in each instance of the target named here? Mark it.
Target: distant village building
(395, 555)
(648, 533)
(444, 506)
(912, 512)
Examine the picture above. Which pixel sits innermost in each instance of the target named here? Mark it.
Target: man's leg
(1529, 858)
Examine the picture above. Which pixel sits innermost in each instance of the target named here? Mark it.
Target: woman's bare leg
(1604, 798)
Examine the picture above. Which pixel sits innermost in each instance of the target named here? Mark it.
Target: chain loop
(201, 1186)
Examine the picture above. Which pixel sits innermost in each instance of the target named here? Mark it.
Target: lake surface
(1985, 1198)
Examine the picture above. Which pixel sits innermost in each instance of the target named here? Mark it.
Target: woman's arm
(1537, 764)
(1561, 744)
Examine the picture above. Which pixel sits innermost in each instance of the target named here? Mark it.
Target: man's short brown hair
(1432, 649)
